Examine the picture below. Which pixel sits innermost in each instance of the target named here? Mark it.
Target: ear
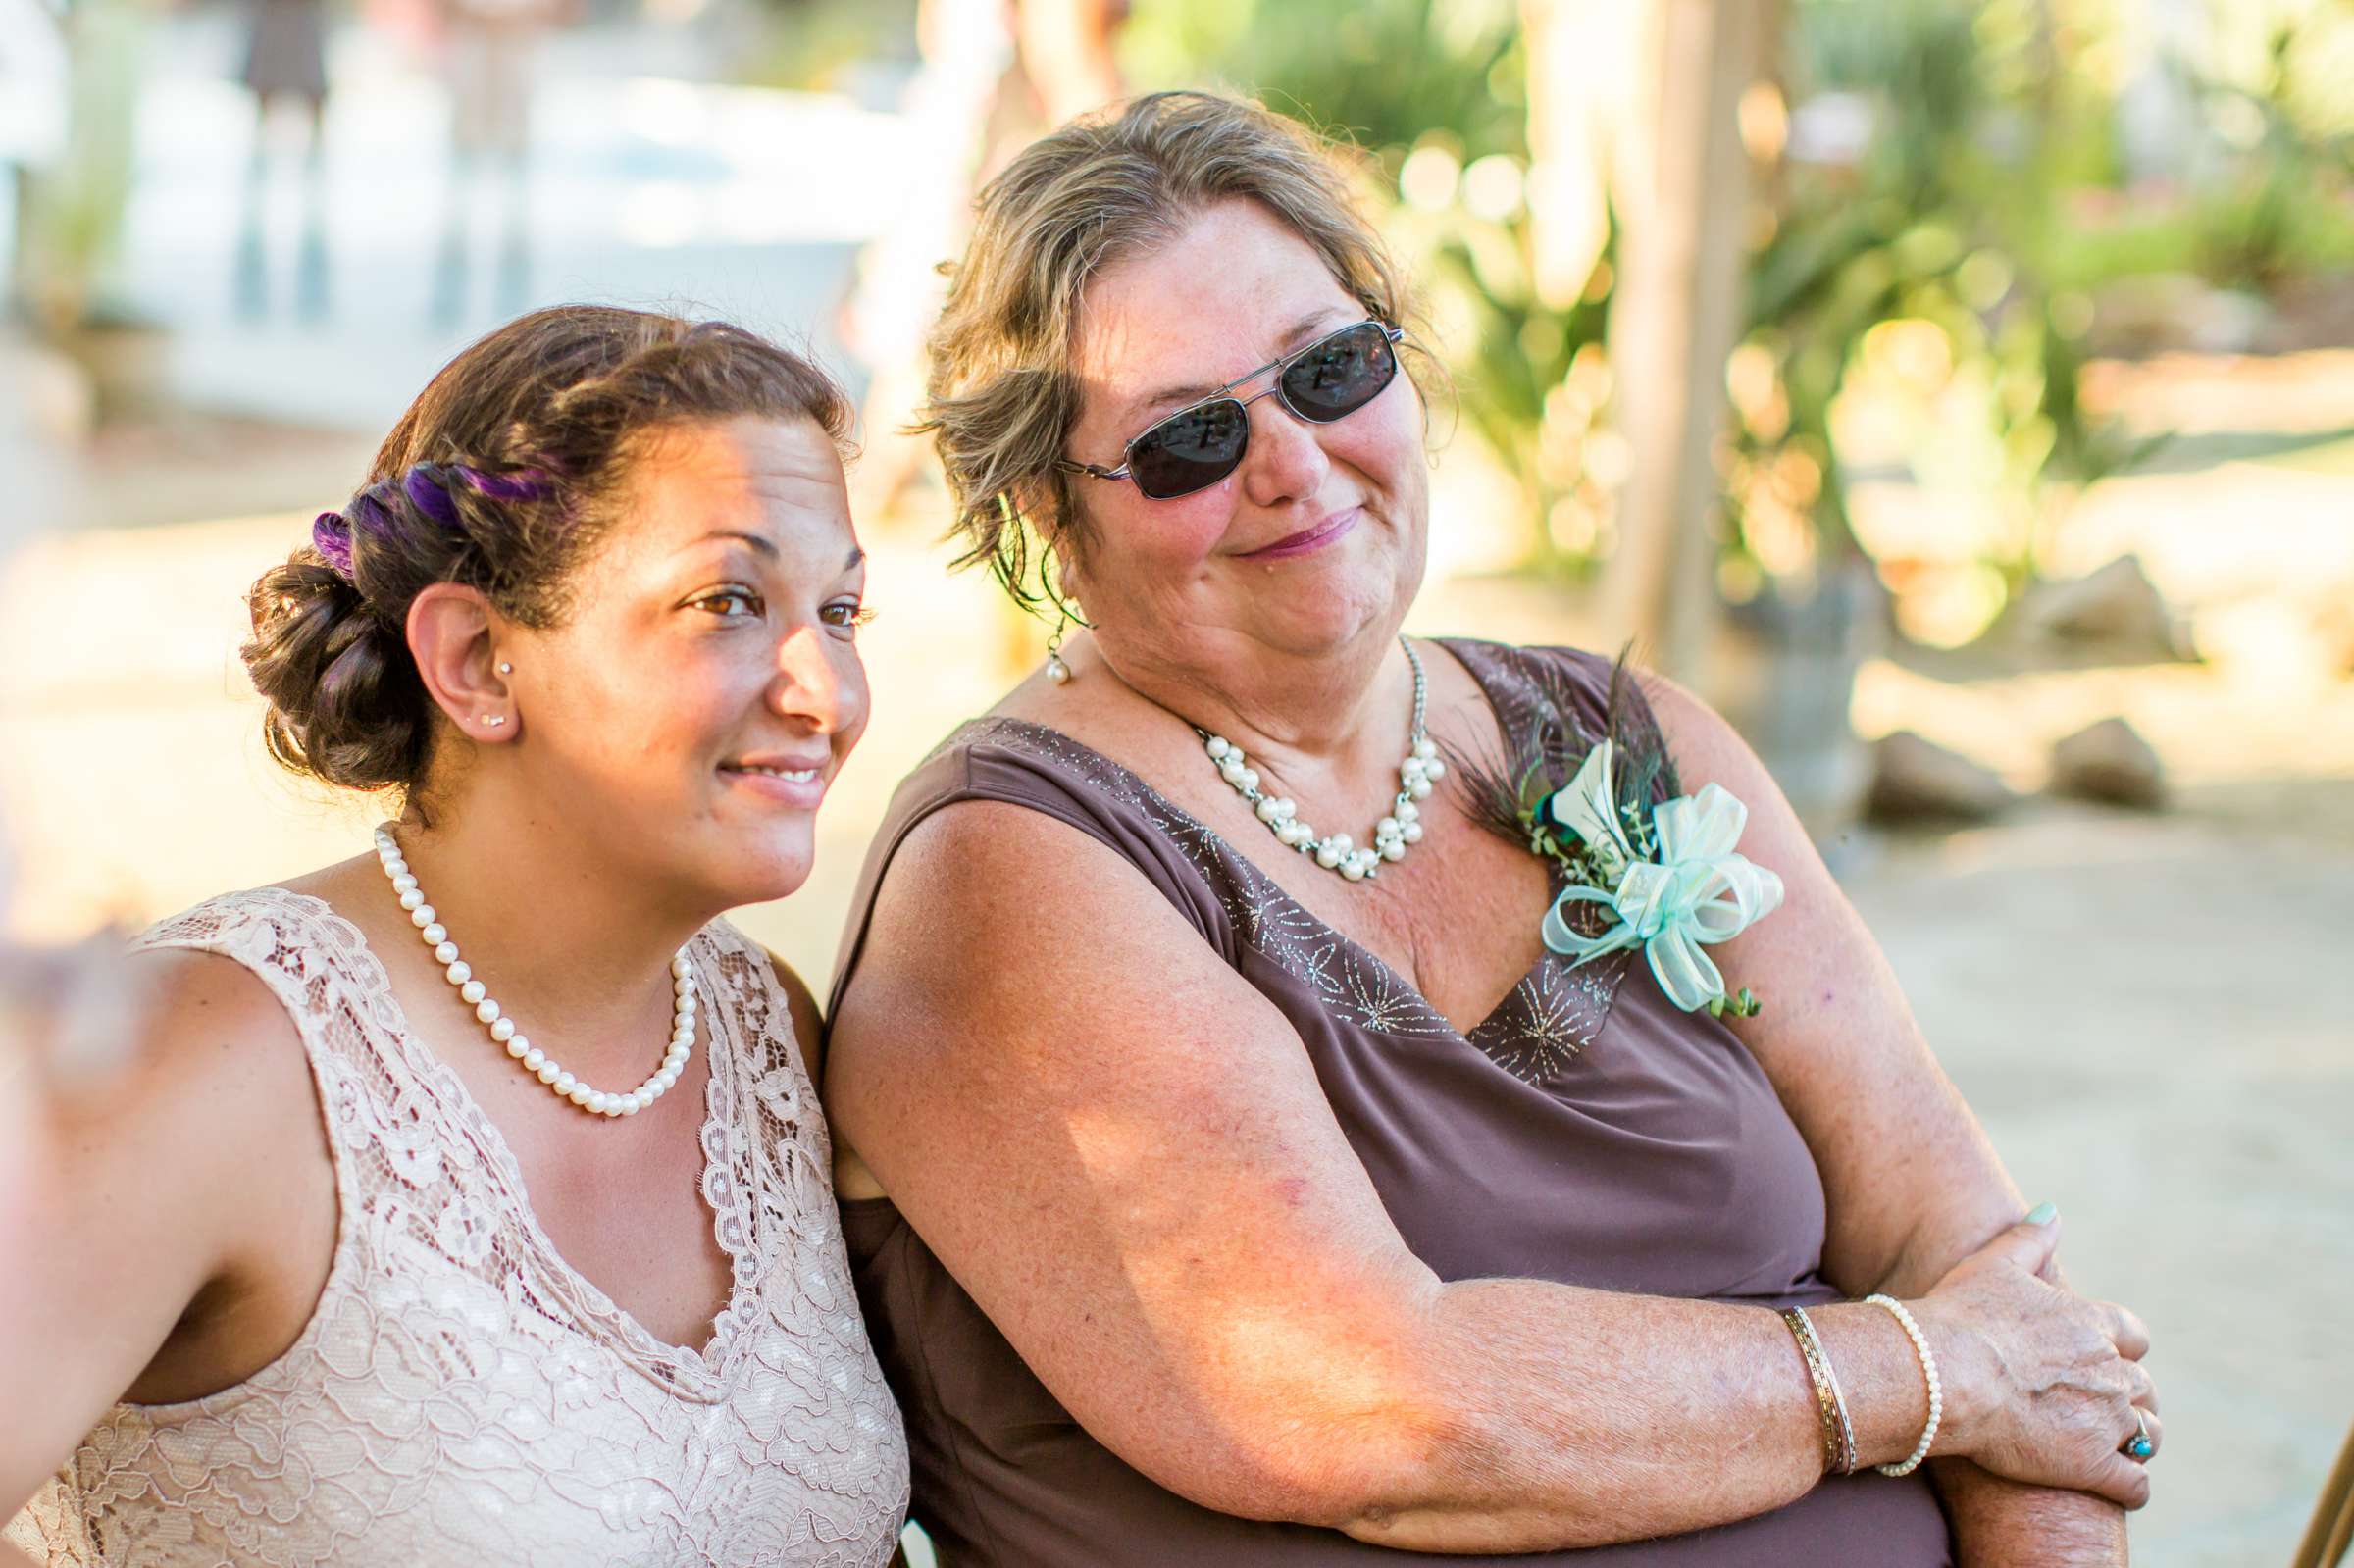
(454, 636)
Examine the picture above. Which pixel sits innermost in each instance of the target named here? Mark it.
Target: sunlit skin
(1121, 1149)
(570, 851)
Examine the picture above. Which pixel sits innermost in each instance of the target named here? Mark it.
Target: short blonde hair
(1002, 396)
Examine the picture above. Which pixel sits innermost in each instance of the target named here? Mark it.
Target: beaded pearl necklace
(1337, 853)
(503, 1031)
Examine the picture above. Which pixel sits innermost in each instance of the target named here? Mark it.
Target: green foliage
(1382, 74)
(812, 44)
(1951, 215)
(73, 213)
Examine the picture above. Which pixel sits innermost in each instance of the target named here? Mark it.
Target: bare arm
(1912, 1184)
(148, 1202)
(1121, 1149)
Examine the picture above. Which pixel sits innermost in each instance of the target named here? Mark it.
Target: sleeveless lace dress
(461, 1397)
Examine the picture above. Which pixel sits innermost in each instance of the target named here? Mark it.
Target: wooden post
(1679, 313)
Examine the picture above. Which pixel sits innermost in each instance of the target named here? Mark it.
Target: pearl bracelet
(1928, 1371)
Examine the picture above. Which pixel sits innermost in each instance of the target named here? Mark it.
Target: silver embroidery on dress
(1550, 1017)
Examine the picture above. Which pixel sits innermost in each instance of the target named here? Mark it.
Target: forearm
(1998, 1521)
(1557, 1418)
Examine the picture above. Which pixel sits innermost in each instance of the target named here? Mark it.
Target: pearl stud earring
(505, 668)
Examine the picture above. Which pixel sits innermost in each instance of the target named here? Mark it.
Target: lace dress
(461, 1396)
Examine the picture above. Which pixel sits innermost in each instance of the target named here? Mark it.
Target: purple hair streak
(427, 488)
(331, 536)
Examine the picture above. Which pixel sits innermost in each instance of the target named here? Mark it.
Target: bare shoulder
(990, 920)
(221, 1094)
(214, 1035)
(993, 893)
(1706, 748)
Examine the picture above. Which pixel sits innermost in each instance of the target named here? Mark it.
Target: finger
(2127, 1332)
(2030, 1246)
(2144, 1386)
(2120, 1480)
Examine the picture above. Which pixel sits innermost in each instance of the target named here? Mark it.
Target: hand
(2041, 1386)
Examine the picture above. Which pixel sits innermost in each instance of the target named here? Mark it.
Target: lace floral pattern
(1535, 1034)
(461, 1396)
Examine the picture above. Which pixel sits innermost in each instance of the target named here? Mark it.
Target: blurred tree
(1685, 186)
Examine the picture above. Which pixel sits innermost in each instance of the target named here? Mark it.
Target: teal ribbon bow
(1699, 891)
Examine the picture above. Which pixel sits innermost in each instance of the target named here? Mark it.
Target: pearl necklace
(502, 1029)
(1422, 769)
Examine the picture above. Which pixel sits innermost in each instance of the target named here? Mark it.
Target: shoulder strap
(1046, 770)
(319, 967)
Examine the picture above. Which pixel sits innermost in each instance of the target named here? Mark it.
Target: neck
(1311, 722)
(574, 945)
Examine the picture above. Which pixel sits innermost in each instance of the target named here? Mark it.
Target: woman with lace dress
(1228, 1190)
(469, 1200)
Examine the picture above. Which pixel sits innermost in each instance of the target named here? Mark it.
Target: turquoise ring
(2139, 1447)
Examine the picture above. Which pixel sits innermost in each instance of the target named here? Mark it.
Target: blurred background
(1961, 396)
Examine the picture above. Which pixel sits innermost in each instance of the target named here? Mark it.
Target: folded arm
(1912, 1183)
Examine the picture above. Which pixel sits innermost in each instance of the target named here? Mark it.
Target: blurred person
(286, 63)
(1224, 1189)
(489, 48)
(994, 73)
(354, 1270)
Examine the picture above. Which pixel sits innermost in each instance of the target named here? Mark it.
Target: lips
(789, 780)
(1312, 537)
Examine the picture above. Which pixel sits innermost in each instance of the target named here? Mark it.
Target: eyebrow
(768, 547)
(1194, 391)
(765, 547)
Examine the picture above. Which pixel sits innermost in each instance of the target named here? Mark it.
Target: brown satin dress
(1586, 1132)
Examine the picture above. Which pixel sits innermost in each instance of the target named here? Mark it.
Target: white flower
(1587, 808)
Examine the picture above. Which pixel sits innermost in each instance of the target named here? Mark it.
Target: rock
(2109, 761)
(2116, 606)
(1914, 780)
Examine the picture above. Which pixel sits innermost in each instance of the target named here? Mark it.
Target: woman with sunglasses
(1225, 1187)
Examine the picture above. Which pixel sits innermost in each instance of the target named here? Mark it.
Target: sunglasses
(1194, 448)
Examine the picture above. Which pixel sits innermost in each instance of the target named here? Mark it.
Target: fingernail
(2043, 1214)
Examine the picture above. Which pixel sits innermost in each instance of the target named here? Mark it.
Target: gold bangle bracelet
(1838, 1440)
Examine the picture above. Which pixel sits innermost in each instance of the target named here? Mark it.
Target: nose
(819, 681)
(1286, 461)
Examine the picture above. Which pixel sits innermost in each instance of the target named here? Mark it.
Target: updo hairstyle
(1004, 395)
(502, 476)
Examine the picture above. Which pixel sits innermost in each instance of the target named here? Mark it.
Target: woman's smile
(1310, 539)
(786, 780)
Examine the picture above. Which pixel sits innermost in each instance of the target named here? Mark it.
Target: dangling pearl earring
(1057, 671)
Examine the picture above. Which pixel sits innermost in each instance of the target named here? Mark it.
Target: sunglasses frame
(1225, 394)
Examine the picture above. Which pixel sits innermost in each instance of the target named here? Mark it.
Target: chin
(763, 868)
(1340, 611)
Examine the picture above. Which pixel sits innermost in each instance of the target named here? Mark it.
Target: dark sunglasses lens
(1341, 375)
(1188, 452)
